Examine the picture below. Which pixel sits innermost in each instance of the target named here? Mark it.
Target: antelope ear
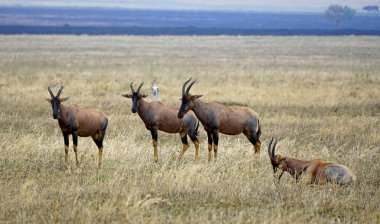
(144, 95)
(197, 96)
(48, 99)
(127, 95)
(64, 99)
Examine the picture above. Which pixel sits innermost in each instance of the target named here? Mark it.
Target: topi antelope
(319, 171)
(78, 122)
(215, 117)
(157, 116)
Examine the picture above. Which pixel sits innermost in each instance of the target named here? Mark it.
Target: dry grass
(319, 94)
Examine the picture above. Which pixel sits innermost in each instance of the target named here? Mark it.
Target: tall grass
(320, 95)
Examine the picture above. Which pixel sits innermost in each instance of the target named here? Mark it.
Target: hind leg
(254, 140)
(209, 140)
(98, 139)
(195, 140)
(99, 142)
(185, 144)
(257, 147)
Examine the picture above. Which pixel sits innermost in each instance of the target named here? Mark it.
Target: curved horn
(269, 149)
(59, 91)
(191, 84)
(274, 148)
(132, 89)
(184, 85)
(51, 93)
(138, 89)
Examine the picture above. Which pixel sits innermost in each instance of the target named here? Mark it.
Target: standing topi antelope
(319, 171)
(157, 116)
(77, 121)
(216, 117)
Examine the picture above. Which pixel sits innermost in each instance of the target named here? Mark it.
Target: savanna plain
(318, 95)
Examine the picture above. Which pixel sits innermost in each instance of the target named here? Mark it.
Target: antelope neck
(63, 118)
(199, 111)
(143, 109)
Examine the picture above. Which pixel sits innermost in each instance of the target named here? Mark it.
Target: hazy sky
(246, 5)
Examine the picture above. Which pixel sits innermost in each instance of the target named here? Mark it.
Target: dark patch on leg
(154, 134)
(254, 139)
(66, 141)
(75, 145)
(215, 137)
(209, 141)
(185, 146)
(184, 140)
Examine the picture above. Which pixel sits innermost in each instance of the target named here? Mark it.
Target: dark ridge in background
(106, 21)
(186, 31)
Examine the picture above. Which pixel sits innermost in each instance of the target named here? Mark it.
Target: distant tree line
(338, 13)
(371, 8)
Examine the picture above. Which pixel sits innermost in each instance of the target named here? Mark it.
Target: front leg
(153, 131)
(297, 176)
(209, 139)
(75, 144)
(279, 178)
(215, 137)
(66, 140)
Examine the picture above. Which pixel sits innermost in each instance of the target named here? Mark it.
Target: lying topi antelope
(319, 171)
(215, 117)
(78, 122)
(157, 116)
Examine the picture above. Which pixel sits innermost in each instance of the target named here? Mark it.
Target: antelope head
(276, 160)
(56, 100)
(187, 100)
(135, 96)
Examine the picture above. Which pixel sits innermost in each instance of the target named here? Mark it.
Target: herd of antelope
(215, 117)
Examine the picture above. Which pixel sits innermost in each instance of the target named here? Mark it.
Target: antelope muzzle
(55, 105)
(135, 104)
(181, 113)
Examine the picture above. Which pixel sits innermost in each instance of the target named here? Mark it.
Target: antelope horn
(274, 148)
(183, 87)
(191, 84)
(59, 91)
(51, 93)
(131, 85)
(138, 89)
(269, 149)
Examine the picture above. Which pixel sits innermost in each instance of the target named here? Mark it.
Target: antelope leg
(185, 146)
(66, 140)
(215, 136)
(153, 131)
(75, 144)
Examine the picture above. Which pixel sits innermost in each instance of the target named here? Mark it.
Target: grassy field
(320, 95)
